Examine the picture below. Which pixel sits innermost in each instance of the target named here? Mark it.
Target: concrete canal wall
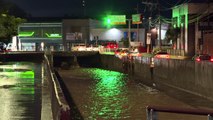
(184, 75)
(21, 56)
(188, 76)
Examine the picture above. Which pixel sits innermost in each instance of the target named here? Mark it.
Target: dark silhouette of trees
(10, 18)
(172, 34)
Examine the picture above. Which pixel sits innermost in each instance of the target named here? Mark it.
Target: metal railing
(153, 110)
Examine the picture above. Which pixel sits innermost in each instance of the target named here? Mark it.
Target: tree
(125, 42)
(9, 27)
(172, 34)
(8, 23)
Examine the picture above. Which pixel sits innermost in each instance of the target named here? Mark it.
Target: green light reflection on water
(108, 99)
(19, 74)
(24, 79)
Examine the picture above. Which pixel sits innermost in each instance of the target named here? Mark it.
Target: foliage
(125, 42)
(9, 27)
(172, 34)
(8, 22)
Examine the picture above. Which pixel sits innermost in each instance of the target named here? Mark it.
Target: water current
(109, 95)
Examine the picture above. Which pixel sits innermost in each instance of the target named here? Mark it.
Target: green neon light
(55, 35)
(115, 20)
(108, 21)
(178, 12)
(26, 34)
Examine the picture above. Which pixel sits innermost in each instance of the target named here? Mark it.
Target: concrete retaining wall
(21, 56)
(185, 75)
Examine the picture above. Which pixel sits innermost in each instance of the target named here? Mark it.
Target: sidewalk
(46, 110)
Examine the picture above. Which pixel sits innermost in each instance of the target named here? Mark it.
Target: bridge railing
(152, 112)
(59, 105)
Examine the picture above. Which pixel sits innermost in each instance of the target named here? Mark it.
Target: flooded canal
(105, 95)
(20, 92)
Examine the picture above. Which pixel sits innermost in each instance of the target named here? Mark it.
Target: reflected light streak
(108, 95)
(14, 89)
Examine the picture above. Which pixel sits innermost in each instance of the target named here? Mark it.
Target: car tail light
(157, 56)
(211, 59)
(198, 59)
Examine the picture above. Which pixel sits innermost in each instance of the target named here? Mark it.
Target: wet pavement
(21, 91)
(105, 95)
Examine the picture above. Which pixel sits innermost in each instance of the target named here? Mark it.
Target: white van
(11, 47)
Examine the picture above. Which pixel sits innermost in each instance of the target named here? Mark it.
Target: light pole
(137, 24)
(129, 31)
(84, 5)
(149, 39)
(159, 24)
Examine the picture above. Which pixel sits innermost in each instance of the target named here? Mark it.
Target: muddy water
(105, 95)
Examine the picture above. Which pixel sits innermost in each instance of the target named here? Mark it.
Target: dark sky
(93, 8)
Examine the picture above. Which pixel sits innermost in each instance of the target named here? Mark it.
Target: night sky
(93, 8)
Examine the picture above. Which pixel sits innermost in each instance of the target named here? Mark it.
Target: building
(38, 36)
(194, 21)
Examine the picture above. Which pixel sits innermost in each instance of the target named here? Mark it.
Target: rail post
(151, 114)
(210, 117)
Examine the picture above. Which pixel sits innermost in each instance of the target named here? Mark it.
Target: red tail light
(211, 59)
(198, 59)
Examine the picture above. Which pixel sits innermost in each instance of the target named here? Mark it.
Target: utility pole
(84, 9)
(159, 24)
(150, 6)
(138, 24)
(129, 32)
(149, 32)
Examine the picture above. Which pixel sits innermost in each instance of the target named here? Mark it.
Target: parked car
(110, 45)
(162, 54)
(202, 57)
(2, 46)
(121, 52)
(135, 52)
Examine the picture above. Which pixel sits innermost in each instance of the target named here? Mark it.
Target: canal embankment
(184, 75)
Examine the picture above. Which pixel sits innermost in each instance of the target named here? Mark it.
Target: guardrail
(152, 112)
(60, 107)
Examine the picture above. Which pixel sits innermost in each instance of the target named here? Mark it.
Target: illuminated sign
(26, 34)
(55, 35)
(136, 19)
(117, 19)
